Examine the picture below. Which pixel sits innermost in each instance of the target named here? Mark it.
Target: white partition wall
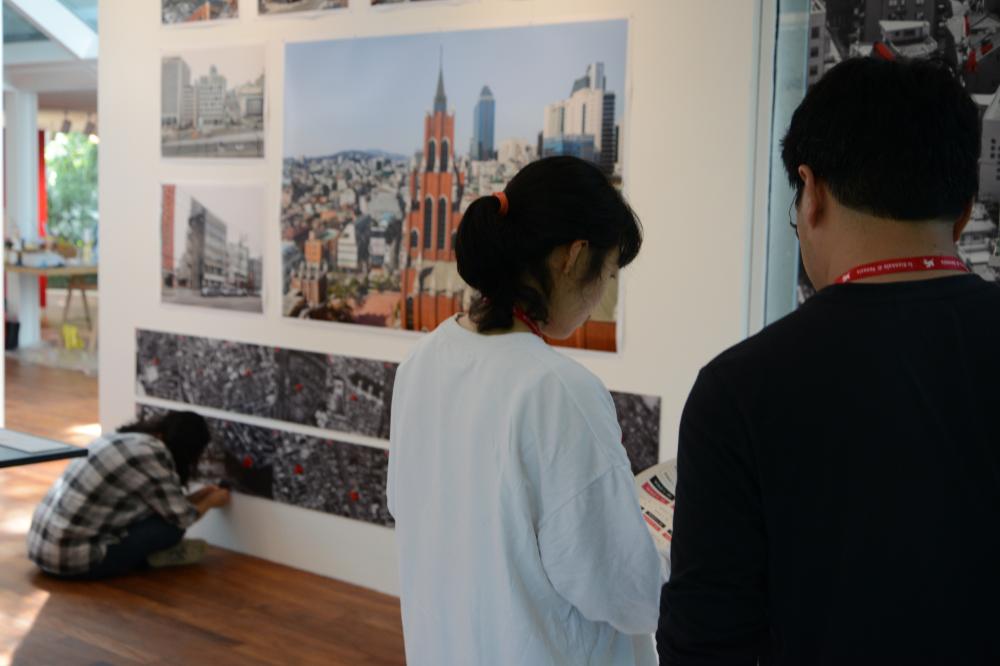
(689, 142)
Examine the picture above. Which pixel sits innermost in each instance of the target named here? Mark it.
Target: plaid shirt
(125, 478)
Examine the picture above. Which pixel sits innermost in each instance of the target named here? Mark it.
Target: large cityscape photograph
(388, 140)
(212, 103)
(212, 246)
(961, 33)
(195, 11)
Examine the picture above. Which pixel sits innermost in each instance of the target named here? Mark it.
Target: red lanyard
(903, 265)
(528, 321)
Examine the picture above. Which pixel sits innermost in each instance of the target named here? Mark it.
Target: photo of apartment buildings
(212, 103)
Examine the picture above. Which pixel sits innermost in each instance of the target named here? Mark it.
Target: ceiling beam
(35, 53)
(55, 21)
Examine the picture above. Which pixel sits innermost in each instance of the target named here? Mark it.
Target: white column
(21, 114)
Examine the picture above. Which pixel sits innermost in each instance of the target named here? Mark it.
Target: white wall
(690, 128)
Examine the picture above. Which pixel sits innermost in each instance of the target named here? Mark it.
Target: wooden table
(18, 448)
(76, 275)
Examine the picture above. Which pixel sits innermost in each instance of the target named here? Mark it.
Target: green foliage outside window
(71, 174)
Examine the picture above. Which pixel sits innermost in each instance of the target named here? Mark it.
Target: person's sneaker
(188, 551)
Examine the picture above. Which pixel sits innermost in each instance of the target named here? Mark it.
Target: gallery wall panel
(687, 142)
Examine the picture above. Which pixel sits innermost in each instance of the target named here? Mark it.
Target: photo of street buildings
(212, 246)
(192, 11)
(291, 6)
(212, 103)
(963, 34)
(340, 394)
(375, 182)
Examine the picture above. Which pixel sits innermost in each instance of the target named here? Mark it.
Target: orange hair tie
(504, 203)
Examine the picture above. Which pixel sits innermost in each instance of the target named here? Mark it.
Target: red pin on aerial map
(299, 469)
(248, 462)
(355, 495)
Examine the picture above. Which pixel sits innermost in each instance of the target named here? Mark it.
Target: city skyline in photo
(405, 69)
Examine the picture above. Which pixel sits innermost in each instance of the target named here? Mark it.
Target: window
(442, 222)
(431, 155)
(414, 239)
(814, 52)
(814, 71)
(428, 221)
(445, 149)
(815, 33)
(409, 313)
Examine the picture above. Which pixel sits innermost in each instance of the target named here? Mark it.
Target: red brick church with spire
(432, 290)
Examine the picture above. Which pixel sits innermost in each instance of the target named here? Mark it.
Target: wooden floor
(231, 609)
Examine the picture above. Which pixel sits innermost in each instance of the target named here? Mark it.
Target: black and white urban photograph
(175, 12)
(963, 34)
(212, 246)
(336, 393)
(639, 418)
(212, 103)
(347, 480)
(291, 6)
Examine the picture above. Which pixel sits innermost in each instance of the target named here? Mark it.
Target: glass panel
(86, 10)
(16, 29)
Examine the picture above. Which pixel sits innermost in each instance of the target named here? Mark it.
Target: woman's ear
(574, 256)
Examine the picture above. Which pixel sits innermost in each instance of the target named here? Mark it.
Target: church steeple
(440, 100)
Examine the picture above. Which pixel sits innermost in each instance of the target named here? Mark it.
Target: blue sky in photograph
(373, 93)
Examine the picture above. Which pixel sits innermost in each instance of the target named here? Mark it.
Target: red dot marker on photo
(156, 361)
(248, 372)
(298, 388)
(299, 469)
(248, 462)
(354, 397)
(355, 496)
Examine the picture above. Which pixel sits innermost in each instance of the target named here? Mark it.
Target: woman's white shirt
(517, 521)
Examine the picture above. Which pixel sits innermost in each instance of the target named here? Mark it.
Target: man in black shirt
(839, 473)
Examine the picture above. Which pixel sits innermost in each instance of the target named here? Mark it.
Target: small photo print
(276, 7)
(213, 246)
(176, 12)
(212, 103)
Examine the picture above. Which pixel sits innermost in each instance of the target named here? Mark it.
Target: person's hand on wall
(209, 497)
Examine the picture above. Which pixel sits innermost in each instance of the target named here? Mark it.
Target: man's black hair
(895, 139)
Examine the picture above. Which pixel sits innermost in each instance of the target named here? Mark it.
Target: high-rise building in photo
(176, 101)
(168, 209)
(483, 123)
(210, 99)
(431, 288)
(583, 125)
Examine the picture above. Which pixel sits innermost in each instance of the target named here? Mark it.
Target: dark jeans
(144, 537)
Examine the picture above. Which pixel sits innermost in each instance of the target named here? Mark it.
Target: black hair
(185, 434)
(552, 202)
(895, 139)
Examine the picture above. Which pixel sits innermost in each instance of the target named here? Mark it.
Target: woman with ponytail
(519, 532)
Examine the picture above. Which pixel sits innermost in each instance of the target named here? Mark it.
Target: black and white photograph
(213, 246)
(960, 33)
(278, 7)
(347, 480)
(213, 103)
(639, 418)
(179, 12)
(336, 393)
